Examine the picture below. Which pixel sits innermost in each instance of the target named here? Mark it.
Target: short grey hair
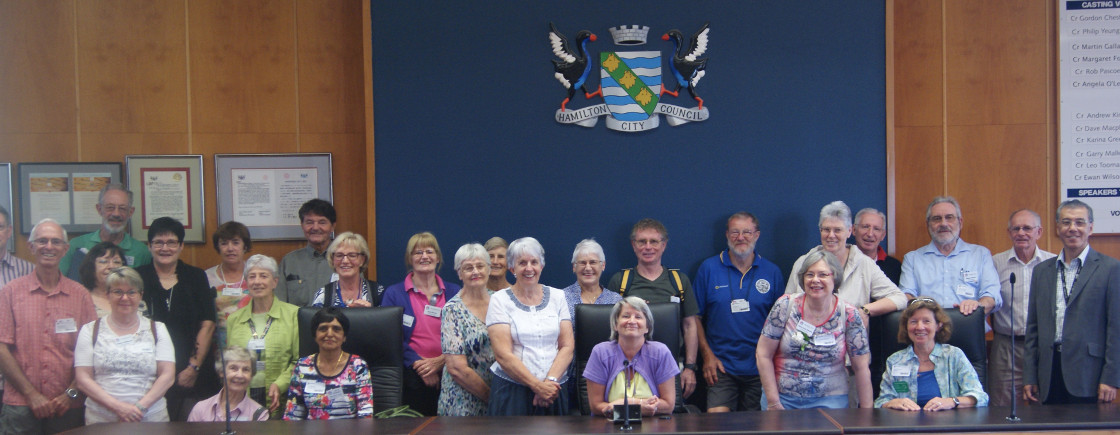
(261, 261)
(829, 259)
(859, 215)
(1075, 203)
(637, 304)
(114, 186)
(943, 199)
(35, 229)
(235, 353)
(1037, 217)
(588, 246)
(525, 246)
(837, 210)
(471, 251)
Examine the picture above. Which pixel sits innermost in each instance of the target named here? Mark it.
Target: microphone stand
(1014, 402)
(225, 390)
(626, 427)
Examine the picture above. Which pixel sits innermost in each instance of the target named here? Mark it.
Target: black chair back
(593, 326)
(968, 334)
(375, 335)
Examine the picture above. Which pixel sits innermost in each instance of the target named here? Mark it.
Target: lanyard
(1062, 273)
(253, 328)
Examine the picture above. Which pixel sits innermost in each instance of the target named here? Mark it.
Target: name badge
(334, 277)
(126, 340)
(433, 311)
(62, 326)
(407, 320)
(740, 306)
(260, 366)
(231, 291)
(824, 340)
(145, 348)
(338, 396)
(900, 371)
(675, 299)
(901, 387)
(966, 291)
(256, 344)
(969, 276)
(315, 388)
(805, 327)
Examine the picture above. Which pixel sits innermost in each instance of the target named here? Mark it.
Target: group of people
(139, 335)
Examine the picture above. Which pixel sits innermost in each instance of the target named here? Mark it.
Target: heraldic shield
(631, 84)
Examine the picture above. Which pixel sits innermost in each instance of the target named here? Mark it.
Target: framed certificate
(6, 201)
(265, 191)
(65, 192)
(167, 185)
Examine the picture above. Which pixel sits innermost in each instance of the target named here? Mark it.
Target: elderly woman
(423, 295)
(863, 280)
(465, 387)
(929, 374)
(588, 262)
(649, 365)
(231, 240)
(101, 258)
(179, 295)
(124, 362)
(330, 384)
(805, 339)
(497, 246)
(269, 328)
(240, 366)
(349, 258)
(531, 332)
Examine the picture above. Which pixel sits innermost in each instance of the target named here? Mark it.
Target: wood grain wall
(973, 114)
(98, 80)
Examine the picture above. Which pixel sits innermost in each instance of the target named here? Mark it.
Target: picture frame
(167, 185)
(6, 201)
(67, 192)
(265, 191)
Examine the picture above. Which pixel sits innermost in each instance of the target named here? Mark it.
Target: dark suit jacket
(1090, 334)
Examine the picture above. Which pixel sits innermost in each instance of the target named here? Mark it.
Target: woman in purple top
(649, 365)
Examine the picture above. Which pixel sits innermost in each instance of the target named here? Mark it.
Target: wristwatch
(72, 393)
(956, 402)
(553, 379)
(690, 366)
(143, 409)
(865, 310)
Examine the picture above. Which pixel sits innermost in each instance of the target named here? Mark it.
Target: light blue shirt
(955, 375)
(966, 273)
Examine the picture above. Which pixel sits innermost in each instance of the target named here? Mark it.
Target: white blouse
(535, 330)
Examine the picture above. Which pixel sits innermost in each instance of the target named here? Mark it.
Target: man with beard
(114, 204)
(870, 229)
(952, 272)
(306, 270)
(734, 291)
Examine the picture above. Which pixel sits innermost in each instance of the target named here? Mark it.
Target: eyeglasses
(832, 230)
(869, 227)
(923, 300)
(650, 242)
(421, 252)
(814, 275)
(736, 233)
(122, 293)
(353, 256)
(161, 243)
(585, 263)
(112, 208)
(949, 218)
(116, 262)
(469, 268)
(1079, 223)
(43, 242)
(1023, 228)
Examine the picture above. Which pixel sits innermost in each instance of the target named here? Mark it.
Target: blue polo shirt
(733, 336)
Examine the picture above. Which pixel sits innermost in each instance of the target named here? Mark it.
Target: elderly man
(949, 270)
(1071, 318)
(734, 291)
(306, 270)
(114, 204)
(40, 314)
(1024, 228)
(11, 267)
(869, 232)
(655, 283)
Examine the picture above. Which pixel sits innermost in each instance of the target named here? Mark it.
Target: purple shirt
(654, 362)
(12, 267)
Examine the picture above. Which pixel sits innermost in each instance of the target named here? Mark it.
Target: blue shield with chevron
(631, 83)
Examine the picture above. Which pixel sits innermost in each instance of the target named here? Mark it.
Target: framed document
(171, 186)
(265, 191)
(65, 192)
(6, 201)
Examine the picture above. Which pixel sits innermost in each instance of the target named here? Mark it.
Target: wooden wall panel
(133, 78)
(113, 147)
(242, 66)
(37, 67)
(919, 178)
(996, 61)
(330, 75)
(918, 63)
(349, 168)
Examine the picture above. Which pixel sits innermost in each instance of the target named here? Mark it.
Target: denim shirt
(955, 375)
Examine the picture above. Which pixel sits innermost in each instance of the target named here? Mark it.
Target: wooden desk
(786, 422)
(1032, 418)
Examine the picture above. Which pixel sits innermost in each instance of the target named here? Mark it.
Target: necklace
(222, 275)
(319, 362)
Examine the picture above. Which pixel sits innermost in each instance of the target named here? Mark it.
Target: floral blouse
(312, 396)
(812, 365)
(464, 334)
(955, 375)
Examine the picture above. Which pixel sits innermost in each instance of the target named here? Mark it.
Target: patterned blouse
(573, 295)
(955, 375)
(312, 396)
(814, 367)
(464, 334)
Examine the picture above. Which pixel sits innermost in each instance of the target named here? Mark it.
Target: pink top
(209, 411)
(42, 330)
(426, 329)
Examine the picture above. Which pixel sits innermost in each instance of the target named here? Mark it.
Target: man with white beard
(114, 204)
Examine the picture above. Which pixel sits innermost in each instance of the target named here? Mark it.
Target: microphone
(225, 390)
(625, 397)
(1014, 400)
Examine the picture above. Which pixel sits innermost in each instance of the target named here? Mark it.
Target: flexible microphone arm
(625, 397)
(1014, 400)
(225, 390)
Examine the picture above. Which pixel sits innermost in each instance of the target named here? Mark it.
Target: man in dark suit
(1073, 334)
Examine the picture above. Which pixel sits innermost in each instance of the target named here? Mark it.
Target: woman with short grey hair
(588, 263)
(465, 385)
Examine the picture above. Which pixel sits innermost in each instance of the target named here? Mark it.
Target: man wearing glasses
(1024, 228)
(952, 272)
(114, 204)
(1072, 318)
(40, 314)
(11, 267)
(657, 284)
(735, 291)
